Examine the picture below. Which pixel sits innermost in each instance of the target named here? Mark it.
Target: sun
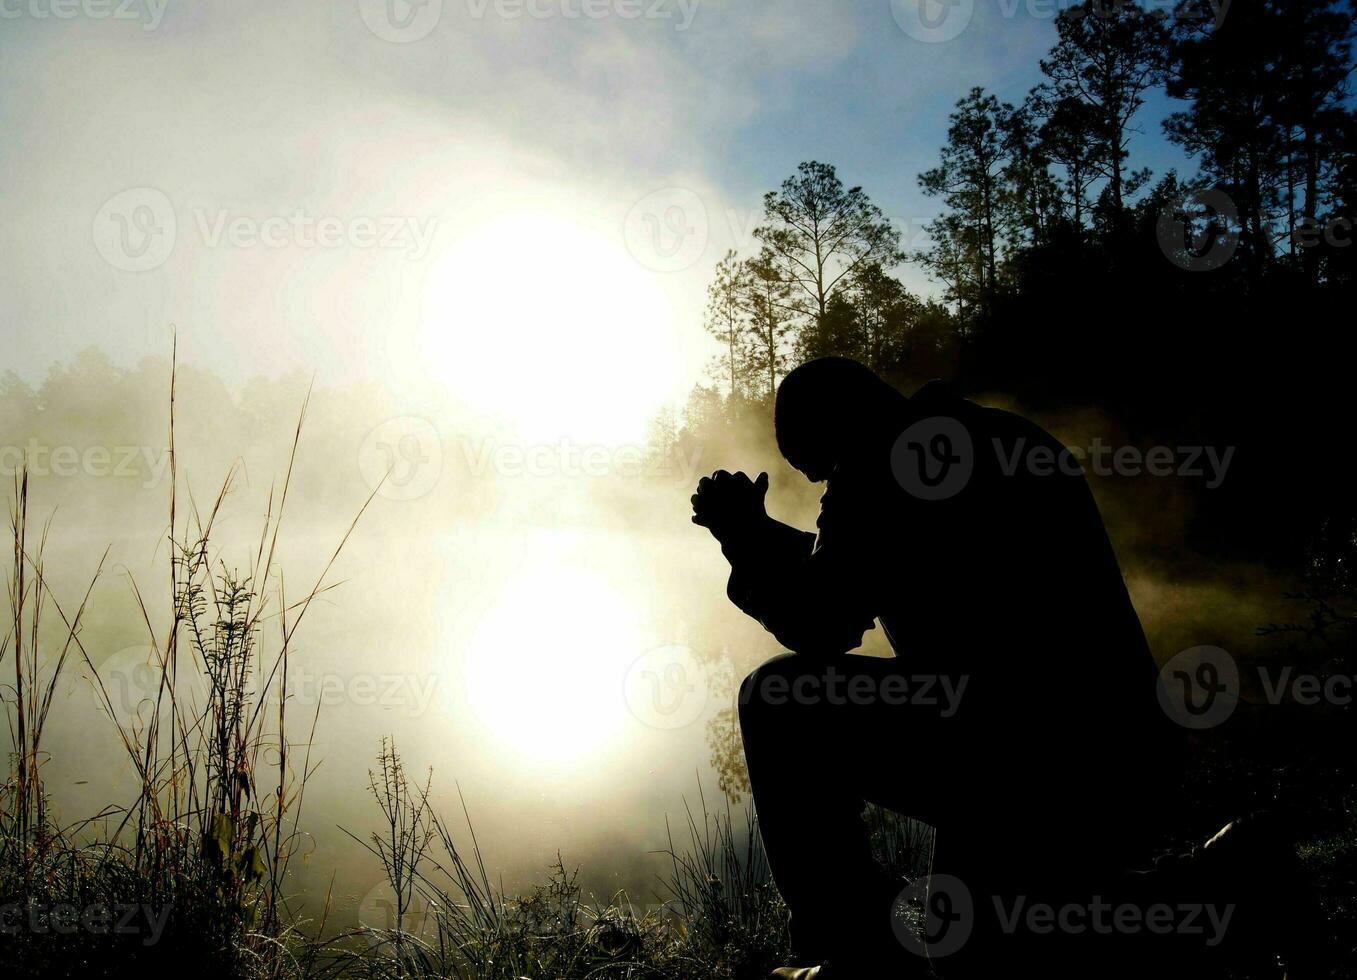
(546, 667)
(540, 320)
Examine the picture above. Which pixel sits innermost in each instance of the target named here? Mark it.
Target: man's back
(1007, 577)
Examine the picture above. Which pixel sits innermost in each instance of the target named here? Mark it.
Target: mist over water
(536, 621)
(491, 611)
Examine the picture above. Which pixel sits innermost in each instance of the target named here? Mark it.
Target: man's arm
(754, 555)
(812, 592)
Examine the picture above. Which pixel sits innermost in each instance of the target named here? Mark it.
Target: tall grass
(202, 848)
(720, 915)
(207, 840)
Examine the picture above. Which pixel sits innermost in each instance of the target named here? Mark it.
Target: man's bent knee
(774, 684)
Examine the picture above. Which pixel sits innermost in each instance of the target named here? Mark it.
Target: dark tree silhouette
(817, 234)
(725, 318)
(769, 303)
(970, 177)
(1108, 56)
(1265, 92)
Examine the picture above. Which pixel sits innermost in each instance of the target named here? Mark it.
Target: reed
(207, 840)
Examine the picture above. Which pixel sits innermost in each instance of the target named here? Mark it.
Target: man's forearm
(761, 554)
(765, 541)
(773, 580)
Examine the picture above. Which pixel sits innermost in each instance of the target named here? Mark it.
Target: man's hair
(830, 401)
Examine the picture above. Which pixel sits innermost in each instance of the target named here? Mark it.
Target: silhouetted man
(1019, 715)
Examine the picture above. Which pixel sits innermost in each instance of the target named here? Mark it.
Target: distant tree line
(1210, 308)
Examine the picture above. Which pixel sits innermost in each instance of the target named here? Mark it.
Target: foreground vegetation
(193, 874)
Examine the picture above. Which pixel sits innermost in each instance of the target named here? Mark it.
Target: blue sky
(604, 114)
(880, 114)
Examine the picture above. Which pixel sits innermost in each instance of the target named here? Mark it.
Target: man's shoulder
(944, 399)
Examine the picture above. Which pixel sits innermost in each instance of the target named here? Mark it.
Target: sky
(446, 193)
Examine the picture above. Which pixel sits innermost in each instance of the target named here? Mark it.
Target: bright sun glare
(553, 327)
(548, 661)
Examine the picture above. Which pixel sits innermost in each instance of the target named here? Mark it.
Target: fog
(456, 249)
(489, 613)
(492, 610)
